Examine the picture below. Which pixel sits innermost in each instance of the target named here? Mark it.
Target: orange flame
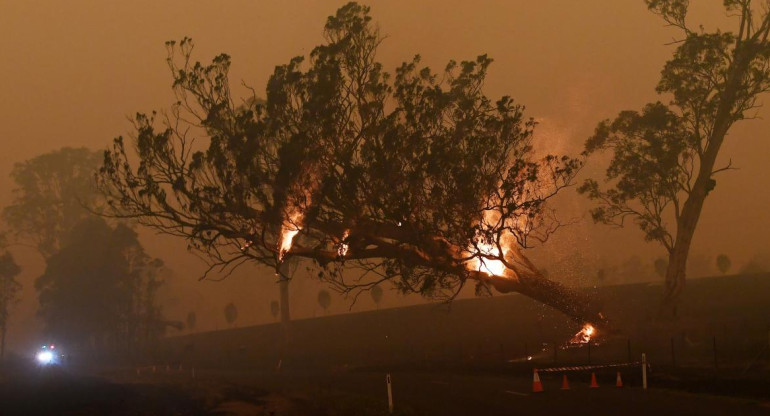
(584, 336)
(297, 203)
(482, 248)
(491, 267)
(289, 229)
(342, 250)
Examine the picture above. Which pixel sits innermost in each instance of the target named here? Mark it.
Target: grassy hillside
(734, 311)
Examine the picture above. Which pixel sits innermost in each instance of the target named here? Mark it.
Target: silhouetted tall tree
(418, 177)
(664, 157)
(9, 291)
(51, 192)
(192, 319)
(100, 288)
(324, 299)
(601, 275)
(723, 263)
(231, 313)
(275, 309)
(376, 293)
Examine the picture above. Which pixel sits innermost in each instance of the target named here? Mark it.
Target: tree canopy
(9, 290)
(53, 191)
(418, 178)
(99, 289)
(376, 293)
(723, 263)
(324, 299)
(191, 320)
(231, 313)
(664, 157)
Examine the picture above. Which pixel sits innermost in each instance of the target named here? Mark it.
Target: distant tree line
(99, 288)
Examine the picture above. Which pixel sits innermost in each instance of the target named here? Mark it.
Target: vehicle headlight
(45, 357)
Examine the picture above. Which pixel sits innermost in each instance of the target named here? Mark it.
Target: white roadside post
(390, 393)
(644, 371)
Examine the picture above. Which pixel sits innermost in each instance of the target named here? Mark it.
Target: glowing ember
(342, 250)
(246, 245)
(584, 336)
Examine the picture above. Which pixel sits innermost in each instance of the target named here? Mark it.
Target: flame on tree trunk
(522, 277)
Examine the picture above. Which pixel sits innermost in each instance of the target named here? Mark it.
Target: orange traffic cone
(618, 381)
(537, 386)
(564, 383)
(594, 384)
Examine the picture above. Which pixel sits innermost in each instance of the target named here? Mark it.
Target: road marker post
(644, 371)
(629, 350)
(390, 393)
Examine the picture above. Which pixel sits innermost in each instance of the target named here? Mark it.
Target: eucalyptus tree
(10, 289)
(275, 308)
(416, 177)
(231, 313)
(324, 299)
(723, 263)
(54, 192)
(664, 157)
(192, 319)
(101, 286)
(376, 293)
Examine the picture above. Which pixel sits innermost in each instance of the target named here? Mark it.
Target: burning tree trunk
(283, 285)
(506, 269)
(571, 302)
